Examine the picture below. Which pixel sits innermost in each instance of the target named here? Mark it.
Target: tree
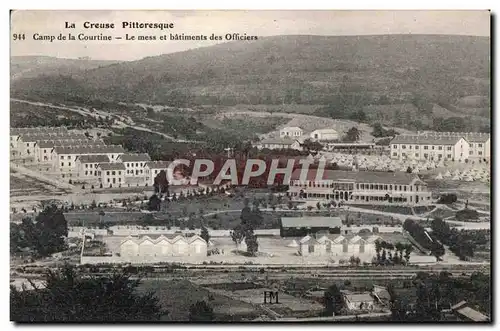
(333, 300)
(154, 203)
(201, 312)
(101, 214)
(409, 170)
(237, 235)
(204, 234)
(352, 135)
(408, 249)
(308, 145)
(251, 241)
(161, 183)
(437, 250)
(69, 297)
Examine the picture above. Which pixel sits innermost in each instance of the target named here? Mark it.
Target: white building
(279, 143)
(479, 143)
(291, 132)
(338, 245)
(153, 168)
(135, 167)
(87, 167)
(363, 187)
(146, 247)
(64, 158)
(430, 147)
(324, 135)
(111, 174)
(17, 146)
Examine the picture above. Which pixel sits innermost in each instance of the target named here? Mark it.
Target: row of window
(62, 164)
(440, 156)
(137, 164)
(136, 171)
(385, 187)
(113, 173)
(440, 148)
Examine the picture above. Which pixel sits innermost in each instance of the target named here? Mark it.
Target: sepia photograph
(250, 166)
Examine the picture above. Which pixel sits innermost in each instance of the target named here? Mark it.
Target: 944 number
(18, 36)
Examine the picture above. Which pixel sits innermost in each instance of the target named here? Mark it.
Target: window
(470, 152)
(108, 180)
(403, 146)
(86, 173)
(480, 153)
(86, 166)
(62, 157)
(409, 147)
(113, 172)
(432, 147)
(137, 164)
(449, 156)
(440, 148)
(426, 147)
(119, 179)
(141, 171)
(394, 146)
(479, 145)
(107, 173)
(417, 147)
(416, 154)
(27, 144)
(132, 164)
(44, 151)
(69, 164)
(403, 154)
(112, 156)
(119, 173)
(448, 148)
(404, 188)
(426, 155)
(62, 164)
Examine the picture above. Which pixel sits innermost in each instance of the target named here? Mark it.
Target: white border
(189, 4)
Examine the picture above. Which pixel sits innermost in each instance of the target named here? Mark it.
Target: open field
(24, 185)
(176, 296)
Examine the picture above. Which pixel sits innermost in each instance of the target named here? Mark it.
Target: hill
(345, 74)
(34, 66)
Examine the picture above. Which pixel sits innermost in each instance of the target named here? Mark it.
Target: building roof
(426, 140)
(66, 142)
(379, 177)
(277, 141)
(17, 131)
(112, 166)
(298, 222)
(90, 150)
(472, 314)
(291, 128)
(465, 311)
(130, 157)
(469, 136)
(357, 297)
(155, 239)
(158, 164)
(99, 158)
(326, 131)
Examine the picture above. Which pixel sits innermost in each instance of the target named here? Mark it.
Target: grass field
(176, 296)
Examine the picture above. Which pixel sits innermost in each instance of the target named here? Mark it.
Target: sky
(253, 23)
